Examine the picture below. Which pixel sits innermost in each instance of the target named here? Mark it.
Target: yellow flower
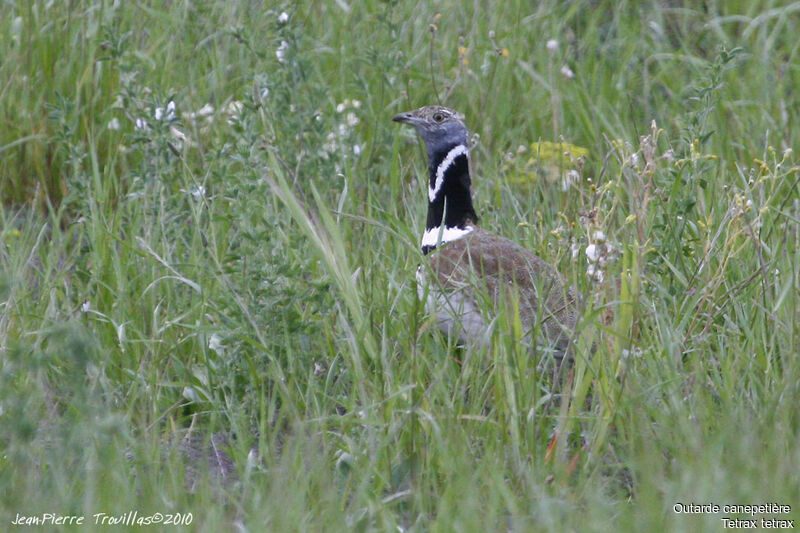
(558, 154)
(551, 161)
(12, 235)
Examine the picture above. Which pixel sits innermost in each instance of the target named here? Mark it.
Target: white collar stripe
(431, 236)
(433, 192)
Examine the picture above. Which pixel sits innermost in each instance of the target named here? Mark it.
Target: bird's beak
(407, 118)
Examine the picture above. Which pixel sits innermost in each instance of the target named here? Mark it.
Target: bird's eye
(438, 117)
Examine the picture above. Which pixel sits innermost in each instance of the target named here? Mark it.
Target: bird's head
(440, 127)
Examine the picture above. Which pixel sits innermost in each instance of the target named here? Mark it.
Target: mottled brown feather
(482, 261)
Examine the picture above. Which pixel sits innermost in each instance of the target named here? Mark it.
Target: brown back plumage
(482, 263)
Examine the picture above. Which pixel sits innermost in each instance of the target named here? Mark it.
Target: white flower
(331, 145)
(352, 119)
(86, 306)
(357, 149)
(552, 45)
(283, 17)
(170, 113)
(356, 104)
(340, 108)
(280, 53)
(198, 193)
(204, 112)
(215, 344)
(178, 135)
(605, 256)
(264, 93)
(595, 273)
(141, 124)
(599, 254)
(592, 252)
(113, 124)
(567, 72)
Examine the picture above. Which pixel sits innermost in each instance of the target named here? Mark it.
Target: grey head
(440, 127)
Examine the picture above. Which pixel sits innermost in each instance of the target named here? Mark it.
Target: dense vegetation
(210, 225)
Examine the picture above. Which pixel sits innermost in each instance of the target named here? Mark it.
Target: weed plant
(209, 232)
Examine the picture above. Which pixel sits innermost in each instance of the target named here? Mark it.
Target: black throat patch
(449, 186)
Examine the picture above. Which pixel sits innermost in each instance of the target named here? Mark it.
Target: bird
(471, 271)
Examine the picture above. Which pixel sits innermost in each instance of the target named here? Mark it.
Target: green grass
(251, 272)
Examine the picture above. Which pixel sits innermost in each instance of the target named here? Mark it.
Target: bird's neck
(450, 211)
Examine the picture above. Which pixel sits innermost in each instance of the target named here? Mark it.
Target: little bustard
(470, 265)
